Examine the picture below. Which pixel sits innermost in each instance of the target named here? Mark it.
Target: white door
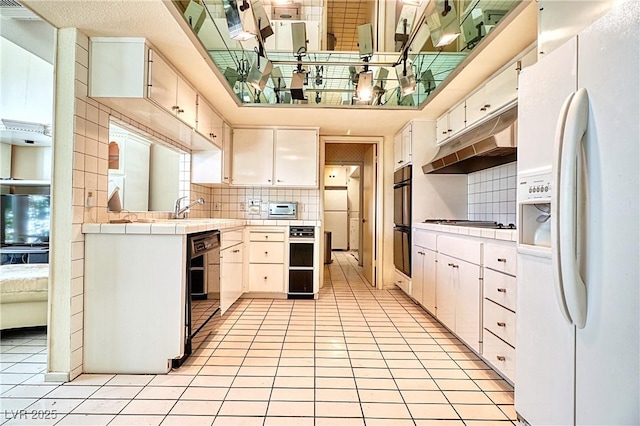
(231, 282)
(369, 214)
(417, 282)
(467, 277)
(186, 100)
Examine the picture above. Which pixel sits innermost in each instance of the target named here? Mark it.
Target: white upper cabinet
(496, 93)
(402, 147)
(213, 165)
(296, 157)
(404, 141)
(209, 123)
(252, 157)
(451, 123)
(170, 90)
(280, 157)
(129, 74)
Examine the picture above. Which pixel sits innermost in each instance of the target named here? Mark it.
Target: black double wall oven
(402, 220)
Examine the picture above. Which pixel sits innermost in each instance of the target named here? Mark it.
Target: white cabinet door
(467, 276)
(252, 157)
(429, 280)
(209, 123)
(477, 106)
(296, 158)
(397, 151)
(417, 280)
(164, 81)
(186, 100)
(226, 153)
(231, 277)
(406, 143)
(446, 291)
(457, 119)
(442, 128)
(502, 89)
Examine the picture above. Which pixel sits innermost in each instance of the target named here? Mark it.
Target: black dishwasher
(203, 249)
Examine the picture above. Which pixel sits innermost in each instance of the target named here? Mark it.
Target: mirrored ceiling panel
(277, 52)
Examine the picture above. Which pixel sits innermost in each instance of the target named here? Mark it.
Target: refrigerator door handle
(575, 290)
(555, 213)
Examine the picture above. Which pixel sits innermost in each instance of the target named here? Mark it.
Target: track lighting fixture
(364, 89)
(259, 73)
(406, 78)
(443, 23)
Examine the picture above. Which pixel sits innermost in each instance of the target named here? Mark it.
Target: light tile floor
(356, 356)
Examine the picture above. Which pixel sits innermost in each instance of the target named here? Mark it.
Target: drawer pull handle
(266, 253)
(502, 290)
(502, 259)
(265, 278)
(501, 358)
(501, 324)
(236, 251)
(449, 264)
(455, 266)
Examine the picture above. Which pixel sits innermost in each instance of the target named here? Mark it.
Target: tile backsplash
(232, 202)
(492, 194)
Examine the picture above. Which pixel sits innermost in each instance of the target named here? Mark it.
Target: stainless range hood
(490, 144)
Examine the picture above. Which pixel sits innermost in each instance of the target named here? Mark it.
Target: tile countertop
(495, 234)
(185, 226)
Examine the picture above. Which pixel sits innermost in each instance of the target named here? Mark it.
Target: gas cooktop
(471, 223)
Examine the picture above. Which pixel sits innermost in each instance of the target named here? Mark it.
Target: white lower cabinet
(458, 298)
(266, 277)
(423, 269)
(267, 259)
(403, 282)
(499, 316)
(231, 275)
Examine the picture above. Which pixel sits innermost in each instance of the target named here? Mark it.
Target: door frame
(378, 142)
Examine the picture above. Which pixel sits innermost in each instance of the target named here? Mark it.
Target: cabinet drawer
(500, 258)
(460, 248)
(500, 288)
(500, 321)
(268, 278)
(232, 254)
(499, 354)
(403, 283)
(229, 238)
(266, 252)
(424, 239)
(266, 236)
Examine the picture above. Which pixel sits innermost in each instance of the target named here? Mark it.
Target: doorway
(353, 161)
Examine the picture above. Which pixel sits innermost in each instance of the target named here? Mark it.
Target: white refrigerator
(578, 322)
(336, 217)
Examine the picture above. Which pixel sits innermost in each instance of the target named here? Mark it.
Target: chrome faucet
(177, 210)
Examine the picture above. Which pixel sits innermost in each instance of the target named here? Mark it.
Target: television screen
(25, 219)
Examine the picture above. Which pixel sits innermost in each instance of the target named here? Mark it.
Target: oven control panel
(302, 232)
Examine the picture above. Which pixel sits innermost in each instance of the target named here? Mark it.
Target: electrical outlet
(90, 197)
